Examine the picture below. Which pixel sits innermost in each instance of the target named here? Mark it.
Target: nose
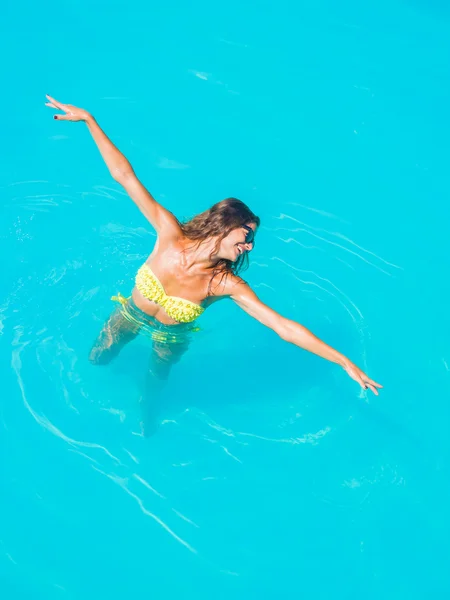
(249, 246)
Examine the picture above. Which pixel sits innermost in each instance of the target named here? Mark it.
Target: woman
(192, 266)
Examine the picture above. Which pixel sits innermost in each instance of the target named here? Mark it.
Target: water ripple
(318, 211)
(147, 485)
(307, 438)
(185, 518)
(231, 455)
(42, 420)
(309, 230)
(322, 279)
(121, 483)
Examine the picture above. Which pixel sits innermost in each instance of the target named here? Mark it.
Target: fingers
(367, 380)
(364, 381)
(55, 103)
(52, 103)
(372, 382)
(366, 385)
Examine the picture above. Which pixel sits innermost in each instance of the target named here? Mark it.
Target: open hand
(71, 113)
(361, 378)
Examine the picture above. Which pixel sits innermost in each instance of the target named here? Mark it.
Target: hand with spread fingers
(71, 113)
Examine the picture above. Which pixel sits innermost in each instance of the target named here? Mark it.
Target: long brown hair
(218, 221)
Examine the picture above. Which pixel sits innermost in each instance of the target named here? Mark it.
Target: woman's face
(237, 242)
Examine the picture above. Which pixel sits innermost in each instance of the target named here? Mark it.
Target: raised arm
(121, 170)
(293, 332)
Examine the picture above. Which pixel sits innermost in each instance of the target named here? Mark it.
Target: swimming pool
(271, 473)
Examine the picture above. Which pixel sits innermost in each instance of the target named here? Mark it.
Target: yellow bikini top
(179, 309)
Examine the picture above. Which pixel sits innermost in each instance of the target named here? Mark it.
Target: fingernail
(55, 117)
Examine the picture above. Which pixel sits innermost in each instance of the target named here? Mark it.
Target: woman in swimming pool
(192, 265)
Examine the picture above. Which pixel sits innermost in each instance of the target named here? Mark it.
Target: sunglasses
(250, 235)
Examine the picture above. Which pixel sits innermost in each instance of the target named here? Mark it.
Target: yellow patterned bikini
(179, 309)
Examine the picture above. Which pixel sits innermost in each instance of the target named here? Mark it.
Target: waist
(151, 309)
(151, 326)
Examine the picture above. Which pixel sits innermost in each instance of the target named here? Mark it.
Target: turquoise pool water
(271, 474)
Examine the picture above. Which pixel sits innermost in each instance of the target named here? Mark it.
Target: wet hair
(218, 221)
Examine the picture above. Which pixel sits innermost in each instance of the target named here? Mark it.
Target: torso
(167, 261)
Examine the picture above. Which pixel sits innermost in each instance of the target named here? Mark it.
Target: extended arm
(121, 170)
(293, 332)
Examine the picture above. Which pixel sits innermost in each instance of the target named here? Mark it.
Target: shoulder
(170, 228)
(227, 284)
(171, 238)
